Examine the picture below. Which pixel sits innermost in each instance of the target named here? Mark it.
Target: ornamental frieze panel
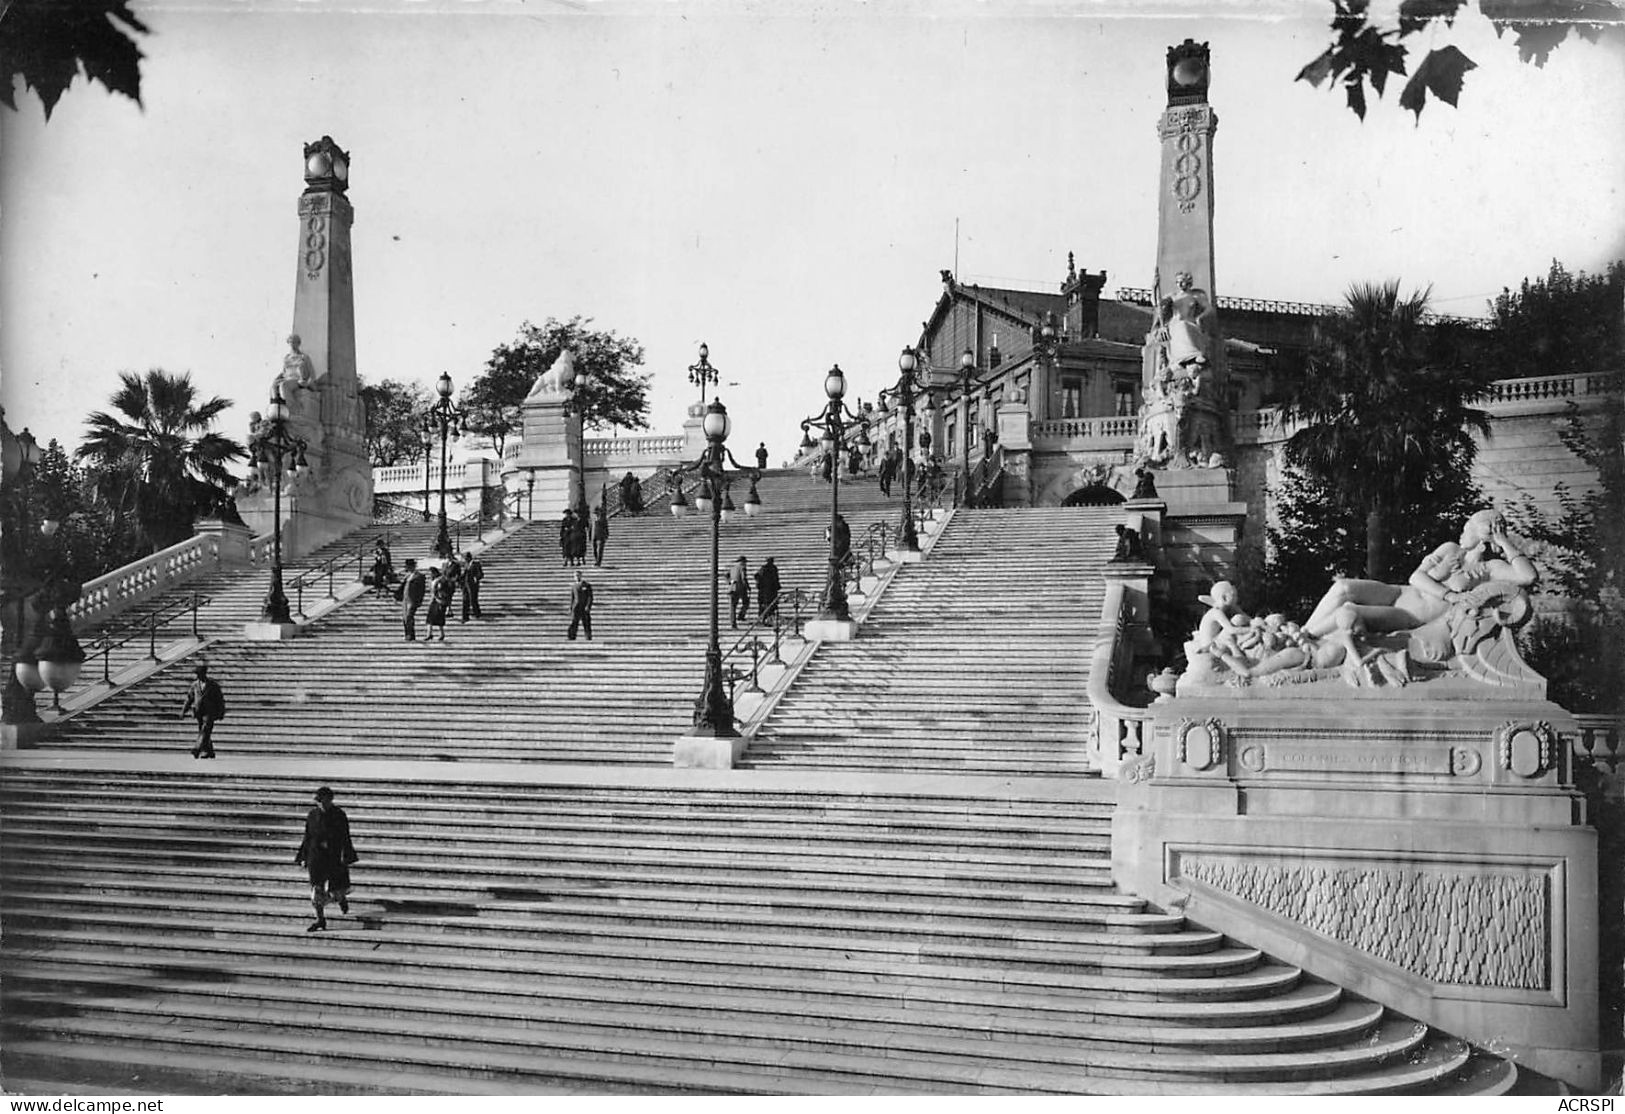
(1466, 925)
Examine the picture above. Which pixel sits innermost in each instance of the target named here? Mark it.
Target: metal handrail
(796, 602)
(108, 641)
(328, 568)
(610, 497)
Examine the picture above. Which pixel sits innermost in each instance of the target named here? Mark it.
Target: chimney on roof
(1082, 291)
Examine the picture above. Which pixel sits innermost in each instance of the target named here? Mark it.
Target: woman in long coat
(327, 854)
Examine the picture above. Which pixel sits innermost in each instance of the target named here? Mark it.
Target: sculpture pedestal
(707, 752)
(831, 630)
(1430, 855)
(270, 632)
(549, 453)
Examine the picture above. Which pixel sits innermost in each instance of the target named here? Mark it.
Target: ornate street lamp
(909, 387)
(702, 372)
(967, 373)
(713, 709)
(268, 452)
(832, 424)
(448, 417)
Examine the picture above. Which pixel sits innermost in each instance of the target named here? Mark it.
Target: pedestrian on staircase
(207, 704)
(580, 606)
(578, 535)
(738, 593)
(441, 590)
(761, 456)
(567, 530)
(410, 591)
(767, 591)
(600, 534)
(327, 854)
(473, 573)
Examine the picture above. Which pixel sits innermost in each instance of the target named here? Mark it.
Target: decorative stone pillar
(1184, 420)
(318, 377)
(1014, 428)
(551, 445)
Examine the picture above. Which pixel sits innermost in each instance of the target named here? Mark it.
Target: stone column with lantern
(318, 377)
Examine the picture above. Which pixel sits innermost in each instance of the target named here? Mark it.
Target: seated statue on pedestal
(1454, 615)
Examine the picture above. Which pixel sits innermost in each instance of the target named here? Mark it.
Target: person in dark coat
(567, 530)
(578, 535)
(843, 541)
(600, 534)
(327, 854)
(767, 590)
(410, 592)
(580, 607)
(738, 593)
(761, 456)
(207, 703)
(631, 494)
(442, 589)
(828, 466)
(473, 573)
(383, 566)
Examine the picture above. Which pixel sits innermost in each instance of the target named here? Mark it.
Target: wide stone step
(1307, 1016)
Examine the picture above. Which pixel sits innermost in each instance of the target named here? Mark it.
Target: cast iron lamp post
(270, 450)
(702, 372)
(967, 374)
(713, 710)
(909, 387)
(447, 416)
(831, 425)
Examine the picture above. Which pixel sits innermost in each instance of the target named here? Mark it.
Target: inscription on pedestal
(1344, 760)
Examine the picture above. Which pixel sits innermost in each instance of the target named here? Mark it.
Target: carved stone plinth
(270, 632)
(1432, 856)
(550, 451)
(831, 630)
(705, 752)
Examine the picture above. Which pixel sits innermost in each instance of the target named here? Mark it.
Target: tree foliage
(613, 392)
(395, 410)
(50, 42)
(1573, 324)
(1385, 399)
(86, 542)
(154, 458)
(1364, 52)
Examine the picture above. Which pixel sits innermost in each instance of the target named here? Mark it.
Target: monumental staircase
(908, 893)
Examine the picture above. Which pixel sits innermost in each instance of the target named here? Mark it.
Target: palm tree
(1385, 399)
(154, 455)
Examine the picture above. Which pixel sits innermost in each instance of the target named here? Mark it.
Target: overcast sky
(780, 180)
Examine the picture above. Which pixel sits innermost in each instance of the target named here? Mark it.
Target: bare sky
(780, 180)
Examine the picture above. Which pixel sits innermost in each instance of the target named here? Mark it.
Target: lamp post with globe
(446, 417)
(275, 451)
(834, 621)
(713, 710)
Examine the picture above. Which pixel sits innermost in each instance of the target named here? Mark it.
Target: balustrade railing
(147, 626)
(328, 571)
(1543, 388)
(1108, 430)
(150, 576)
(1598, 757)
(1119, 729)
(655, 445)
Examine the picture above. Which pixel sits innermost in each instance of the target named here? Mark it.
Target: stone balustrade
(112, 592)
(658, 449)
(1550, 388)
(1110, 432)
(1119, 729)
(460, 475)
(1597, 747)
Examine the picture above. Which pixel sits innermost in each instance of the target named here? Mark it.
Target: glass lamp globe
(717, 423)
(907, 361)
(276, 410)
(679, 504)
(702, 501)
(753, 503)
(835, 383)
(442, 385)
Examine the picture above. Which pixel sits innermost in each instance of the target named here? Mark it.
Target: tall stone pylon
(318, 375)
(1184, 420)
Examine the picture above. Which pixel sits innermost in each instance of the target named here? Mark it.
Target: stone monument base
(1432, 857)
(707, 752)
(831, 630)
(270, 632)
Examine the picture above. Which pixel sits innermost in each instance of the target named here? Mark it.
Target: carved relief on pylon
(1526, 749)
(1200, 743)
